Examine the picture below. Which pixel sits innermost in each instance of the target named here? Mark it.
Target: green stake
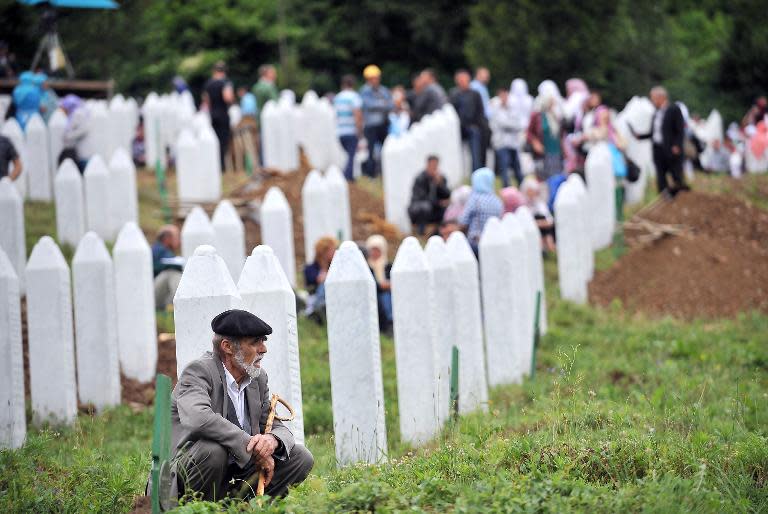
(536, 334)
(618, 236)
(161, 440)
(454, 394)
(160, 175)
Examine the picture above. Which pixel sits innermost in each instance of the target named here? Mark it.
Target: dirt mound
(701, 255)
(367, 210)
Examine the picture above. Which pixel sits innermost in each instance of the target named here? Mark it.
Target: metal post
(536, 334)
(160, 175)
(454, 391)
(161, 441)
(618, 236)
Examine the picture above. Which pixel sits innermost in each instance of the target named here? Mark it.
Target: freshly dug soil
(367, 210)
(716, 267)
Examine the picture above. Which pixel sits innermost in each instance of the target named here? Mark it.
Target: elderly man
(474, 125)
(667, 133)
(377, 104)
(219, 411)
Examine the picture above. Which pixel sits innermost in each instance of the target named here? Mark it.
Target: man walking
(474, 124)
(667, 133)
(427, 95)
(377, 104)
(480, 84)
(219, 411)
(218, 94)
(349, 121)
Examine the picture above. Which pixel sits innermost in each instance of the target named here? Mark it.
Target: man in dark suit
(219, 411)
(474, 125)
(667, 133)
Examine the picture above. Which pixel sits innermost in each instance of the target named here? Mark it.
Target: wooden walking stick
(268, 428)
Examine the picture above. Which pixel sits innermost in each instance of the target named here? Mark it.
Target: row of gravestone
(437, 298)
(111, 300)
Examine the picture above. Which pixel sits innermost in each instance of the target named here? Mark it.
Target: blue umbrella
(83, 4)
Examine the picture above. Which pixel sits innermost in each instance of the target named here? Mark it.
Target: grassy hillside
(626, 414)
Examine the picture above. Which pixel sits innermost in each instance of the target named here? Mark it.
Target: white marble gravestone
(123, 193)
(70, 204)
(38, 162)
(12, 130)
(49, 319)
(188, 168)
(210, 170)
(97, 198)
(276, 220)
(354, 353)
(444, 282)
(12, 239)
(135, 304)
(57, 124)
(266, 293)
(400, 163)
(601, 185)
(206, 290)
(13, 424)
(498, 293)
(338, 195)
(98, 368)
(473, 386)
(571, 264)
(315, 205)
(586, 241)
(521, 308)
(415, 344)
(196, 230)
(535, 264)
(229, 233)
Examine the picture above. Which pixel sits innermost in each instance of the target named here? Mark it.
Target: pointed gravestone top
(437, 254)
(527, 221)
(313, 182)
(513, 226)
(57, 119)
(95, 166)
(262, 272)
(197, 220)
(205, 275)
(91, 249)
(275, 200)
(35, 124)
(309, 97)
(333, 175)
(226, 214)
(348, 264)
(121, 159)
(68, 169)
(459, 248)
(130, 237)
(46, 255)
(410, 257)
(494, 233)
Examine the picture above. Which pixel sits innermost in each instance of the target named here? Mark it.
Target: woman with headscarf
(378, 261)
(76, 129)
(535, 198)
(604, 131)
(545, 133)
(482, 205)
(521, 103)
(512, 198)
(49, 100)
(26, 98)
(576, 92)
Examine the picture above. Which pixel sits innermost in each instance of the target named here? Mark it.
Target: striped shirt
(345, 103)
(479, 209)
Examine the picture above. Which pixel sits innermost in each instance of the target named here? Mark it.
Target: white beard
(251, 369)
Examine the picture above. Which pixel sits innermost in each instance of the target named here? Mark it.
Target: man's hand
(262, 446)
(675, 150)
(268, 466)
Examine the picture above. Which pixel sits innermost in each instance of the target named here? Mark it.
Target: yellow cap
(371, 71)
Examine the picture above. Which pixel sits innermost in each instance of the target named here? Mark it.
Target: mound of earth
(702, 255)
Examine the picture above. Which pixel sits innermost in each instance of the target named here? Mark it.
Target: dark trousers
(423, 212)
(666, 163)
(506, 158)
(477, 146)
(221, 128)
(375, 134)
(349, 143)
(205, 468)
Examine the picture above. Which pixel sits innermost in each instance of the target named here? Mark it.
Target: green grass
(627, 413)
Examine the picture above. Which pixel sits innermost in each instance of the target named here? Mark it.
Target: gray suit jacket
(199, 409)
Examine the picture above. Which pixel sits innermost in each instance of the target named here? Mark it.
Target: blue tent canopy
(82, 4)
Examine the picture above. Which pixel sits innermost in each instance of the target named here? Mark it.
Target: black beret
(239, 323)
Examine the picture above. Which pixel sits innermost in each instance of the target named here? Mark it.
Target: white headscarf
(520, 102)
